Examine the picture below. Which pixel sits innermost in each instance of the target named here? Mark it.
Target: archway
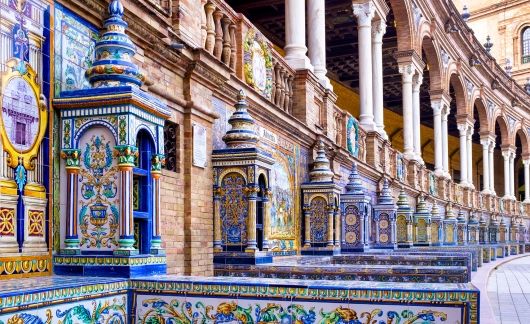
(480, 125)
(521, 153)
(143, 192)
(501, 139)
(457, 107)
(260, 211)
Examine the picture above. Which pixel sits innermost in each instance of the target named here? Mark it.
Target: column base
(324, 81)
(486, 192)
(298, 62)
(409, 156)
(439, 173)
(367, 123)
(383, 133)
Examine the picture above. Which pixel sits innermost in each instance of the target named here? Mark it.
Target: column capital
(157, 162)
(378, 30)
(72, 159)
(126, 154)
(462, 128)
(507, 153)
(417, 81)
(436, 106)
(407, 71)
(364, 12)
(526, 162)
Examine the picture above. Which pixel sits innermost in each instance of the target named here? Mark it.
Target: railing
(282, 83)
(234, 41)
(219, 32)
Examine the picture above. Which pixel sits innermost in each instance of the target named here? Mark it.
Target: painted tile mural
(111, 309)
(180, 309)
(284, 178)
(98, 199)
(74, 50)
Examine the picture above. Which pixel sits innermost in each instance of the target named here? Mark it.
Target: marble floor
(509, 291)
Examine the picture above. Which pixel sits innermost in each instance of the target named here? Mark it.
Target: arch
(460, 94)
(404, 26)
(262, 172)
(231, 170)
(503, 127)
(94, 123)
(433, 61)
(143, 127)
(482, 114)
(317, 196)
(523, 136)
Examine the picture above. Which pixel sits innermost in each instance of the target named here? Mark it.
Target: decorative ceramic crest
(352, 133)
(24, 114)
(258, 63)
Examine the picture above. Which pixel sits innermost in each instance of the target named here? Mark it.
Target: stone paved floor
(509, 291)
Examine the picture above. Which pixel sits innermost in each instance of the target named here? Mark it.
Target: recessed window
(525, 45)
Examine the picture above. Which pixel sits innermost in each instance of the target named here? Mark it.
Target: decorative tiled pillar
(483, 231)
(404, 221)
(71, 241)
(266, 218)
(307, 226)
(450, 230)
(385, 219)
(355, 208)
(217, 232)
(336, 215)
(461, 228)
(331, 212)
(321, 196)
(436, 226)
(156, 172)
(126, 155)
(472, 229)
(422, 224)
(252, 195)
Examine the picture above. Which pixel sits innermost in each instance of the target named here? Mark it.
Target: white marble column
(485, 141)
(378, 30)
(470, 156)
(417, 80)
(407, 72)
(463, 154)
(492, 166)
(506, 155)
(438, 139)
(445, 144)
(316, 39)
(295, 49)
(364, 13)
(512, 171)
(526, 164)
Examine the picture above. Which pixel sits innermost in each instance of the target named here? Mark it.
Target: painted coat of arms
(98, 212)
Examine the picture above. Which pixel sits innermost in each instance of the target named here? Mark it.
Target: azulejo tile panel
(182, 309)
(109, 309)
(175, 299)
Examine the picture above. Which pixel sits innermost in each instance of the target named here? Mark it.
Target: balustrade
(218, 32)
